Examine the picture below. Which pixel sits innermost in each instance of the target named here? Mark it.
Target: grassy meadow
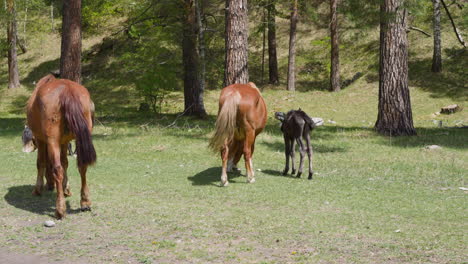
(155, 191)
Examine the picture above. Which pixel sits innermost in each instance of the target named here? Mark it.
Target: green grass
(156, 200)
(155, 187)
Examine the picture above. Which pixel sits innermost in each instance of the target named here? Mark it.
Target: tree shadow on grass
(21, 197)
(212, 176)
(451, 82)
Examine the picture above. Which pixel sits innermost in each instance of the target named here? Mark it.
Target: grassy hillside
(154, 189)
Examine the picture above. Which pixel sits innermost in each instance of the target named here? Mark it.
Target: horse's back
(44, 109)
(251, 106)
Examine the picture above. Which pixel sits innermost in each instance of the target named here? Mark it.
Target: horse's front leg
(41, 164)
(53, 149)
(224, 158)
(64, 161)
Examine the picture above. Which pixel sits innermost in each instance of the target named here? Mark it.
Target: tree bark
(272, 57)
(263, 44)
(437, 55)
(335, 55)
(236, 44)
(70, 57)
(292, 49)
(193, 97)
(12, 35)
(394, 110)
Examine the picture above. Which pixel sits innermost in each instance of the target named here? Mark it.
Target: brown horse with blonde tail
(242, 115)
(59, 111)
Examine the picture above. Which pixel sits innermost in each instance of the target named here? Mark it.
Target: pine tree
(12, 38)
(70, 57)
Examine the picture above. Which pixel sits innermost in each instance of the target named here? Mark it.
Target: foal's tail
(226, 122)
(78, 125)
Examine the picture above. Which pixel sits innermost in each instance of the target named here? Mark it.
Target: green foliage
(155, 85)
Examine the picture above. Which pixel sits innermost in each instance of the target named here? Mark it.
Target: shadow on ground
(21, 197)
(212, 176)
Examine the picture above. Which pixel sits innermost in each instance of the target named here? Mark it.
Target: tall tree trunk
(70, 57)
(272, 57)
(192, 96)
(335, 55)
(437, 56)
(263, 44)
(12, 35)
(202, 52)
(292, 49)
(394, 111)
(236, 70)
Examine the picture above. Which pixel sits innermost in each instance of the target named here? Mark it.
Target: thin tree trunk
(272, 57)
(394, 111)
(12, 34)
(202, 51)
(292, 49)
(52, 17)
(335, 55)
(437, 56)
(236, 44)
(264, 40)
(191, 62)
(70, 57)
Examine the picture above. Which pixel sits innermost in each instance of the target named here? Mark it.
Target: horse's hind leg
(64, 161)
(249, 141)
(302, 152)
(287, 153)
(53, 149)
(224, 158)
(292, 153)
(85, 202)
(41, 164)
(309, 155)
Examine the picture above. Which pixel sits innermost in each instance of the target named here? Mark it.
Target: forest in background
(140, 43)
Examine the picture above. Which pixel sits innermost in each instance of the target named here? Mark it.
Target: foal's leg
(53, 149)
(64, 161)
(309, 155)
(293, 155)
(287, 153)
(85, 202)
(41, 164)
(224, 158)
(249, 141)
(302, 152)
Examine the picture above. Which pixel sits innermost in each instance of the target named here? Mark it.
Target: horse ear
(299, 109)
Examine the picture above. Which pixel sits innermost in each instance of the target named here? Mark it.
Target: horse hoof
(67, 193)
(224, 184)
(293, 172)
(299, 174)
(86, 208)
(251, 180)
(310, 175)
(285, 172)
(59, 215)
(35, 192)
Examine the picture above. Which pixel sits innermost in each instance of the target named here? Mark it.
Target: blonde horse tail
(226, 122)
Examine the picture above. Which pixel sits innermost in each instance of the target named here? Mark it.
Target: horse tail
(226, 122)
(78, 125)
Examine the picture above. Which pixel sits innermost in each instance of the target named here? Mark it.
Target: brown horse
(59, 111)
(242, 115)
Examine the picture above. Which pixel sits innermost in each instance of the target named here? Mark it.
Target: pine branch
(459, 37)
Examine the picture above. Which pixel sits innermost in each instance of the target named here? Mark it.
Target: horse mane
(46, 79)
